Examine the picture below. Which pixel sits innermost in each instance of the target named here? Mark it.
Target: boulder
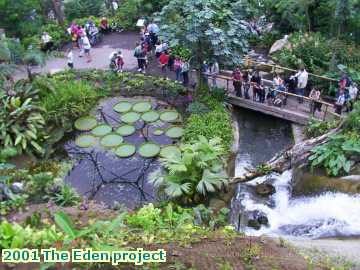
(17, 187)
(265, 189)
(279, 44)
(256, 219)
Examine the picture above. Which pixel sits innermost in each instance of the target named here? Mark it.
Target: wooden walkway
(293, 111)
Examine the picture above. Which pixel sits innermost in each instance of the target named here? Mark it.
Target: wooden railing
(328, 107)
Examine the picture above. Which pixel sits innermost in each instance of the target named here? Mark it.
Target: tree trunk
(295, 156)
(59, 11)
(29, 73)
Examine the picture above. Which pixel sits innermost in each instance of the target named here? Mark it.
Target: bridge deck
(293, 111)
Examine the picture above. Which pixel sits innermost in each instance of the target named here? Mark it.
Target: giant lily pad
(123, 107)
(175, 132)
(85, 123)
(101, 130)
(169, 150)
(158, 132)
(125, 150)
(85, 141)
(126, 130)
(150, 116)
(111, 140)
(130, 117)
(149, 150)
(169, 116)
(142, 106)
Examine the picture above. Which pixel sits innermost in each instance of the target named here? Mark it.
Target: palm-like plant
(196, 172)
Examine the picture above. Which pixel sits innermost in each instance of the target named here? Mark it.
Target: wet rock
(265, 189)
(17, 187)
(313, 184)
(256, 219)
(254, 224)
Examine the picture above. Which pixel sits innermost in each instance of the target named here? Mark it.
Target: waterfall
(325, 215)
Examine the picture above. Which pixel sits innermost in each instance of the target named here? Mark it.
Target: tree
(209, 28)
(13, 53)
(20, 18)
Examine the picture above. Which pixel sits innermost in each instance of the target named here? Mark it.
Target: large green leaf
(149, 149)
(85, 123)
(65, 223)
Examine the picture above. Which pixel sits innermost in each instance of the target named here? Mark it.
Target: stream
(328, 214)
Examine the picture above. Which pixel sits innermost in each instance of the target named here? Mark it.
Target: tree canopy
(212, 28)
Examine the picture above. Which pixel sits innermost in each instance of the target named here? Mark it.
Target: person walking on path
(164, 60)
(302, 80)
(70, 58)
(47, 43)
(185, 67)
(237, 82)
(154, 30)
(140, 54)
(177, 68)
(87, 47)
(120, 61)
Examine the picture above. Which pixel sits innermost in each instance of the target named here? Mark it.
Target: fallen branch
(295, 156)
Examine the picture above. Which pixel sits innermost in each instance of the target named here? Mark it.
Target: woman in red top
(237, 82)
(164, 60)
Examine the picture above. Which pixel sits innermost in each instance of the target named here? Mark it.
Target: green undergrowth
(147, 226)
(341, 152)
(209, 118)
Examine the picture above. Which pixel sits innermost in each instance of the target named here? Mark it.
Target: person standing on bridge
(237, 82)
(302, 80)
(339, 104)
(315, 98)
(214, 71)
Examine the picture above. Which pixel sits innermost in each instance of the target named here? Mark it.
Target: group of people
(277, 94)
(151, 46)
(347, 94)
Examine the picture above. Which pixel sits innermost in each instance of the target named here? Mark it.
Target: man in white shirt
(302, 77)
(47, 43)
(339, 104)
(353, 93)
(87, 47)
(70, 59)
(214, 71)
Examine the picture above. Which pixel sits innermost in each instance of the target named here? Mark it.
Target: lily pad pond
(117, 146)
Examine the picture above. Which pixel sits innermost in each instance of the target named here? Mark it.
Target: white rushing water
(325, 215)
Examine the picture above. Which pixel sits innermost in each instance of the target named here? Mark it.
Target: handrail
(287, 93)
(289, 69)
(326, 104)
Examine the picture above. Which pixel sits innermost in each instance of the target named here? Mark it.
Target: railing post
(326, 109)
(227, 85)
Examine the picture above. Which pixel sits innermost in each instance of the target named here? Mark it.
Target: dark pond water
(260, 138)
(100, 175)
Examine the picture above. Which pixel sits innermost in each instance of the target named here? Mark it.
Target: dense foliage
(210, 29)
(194, 174)
(210, 119)
(148, 225)
(342, 151)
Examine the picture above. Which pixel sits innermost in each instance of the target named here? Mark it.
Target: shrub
(21, 120)
(215, 123)
(66, 101)
(194, 173)
(78, 9)
(57, 32)
(336, 155)
(317, 128)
